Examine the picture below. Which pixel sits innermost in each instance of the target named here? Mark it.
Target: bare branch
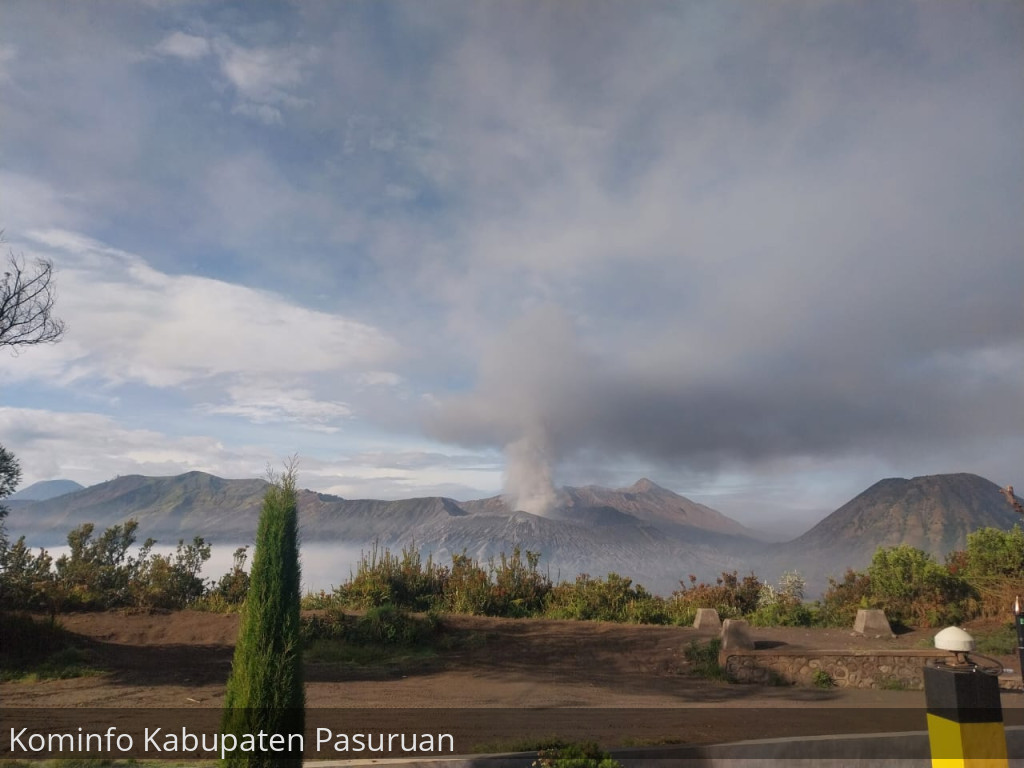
(27, 297)
(1011, 499)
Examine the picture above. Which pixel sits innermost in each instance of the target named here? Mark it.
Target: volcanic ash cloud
(528, 483)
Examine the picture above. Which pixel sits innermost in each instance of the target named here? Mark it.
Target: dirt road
(637, 676)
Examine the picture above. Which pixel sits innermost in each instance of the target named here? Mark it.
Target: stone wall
(847, 669)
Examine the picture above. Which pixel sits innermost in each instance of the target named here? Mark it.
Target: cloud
(704, 239)
(7, 54)
(266, 79)
(130, 322)
(402, 474)
(184, 46)
(262, 112)
(91, 448)
(268, 405)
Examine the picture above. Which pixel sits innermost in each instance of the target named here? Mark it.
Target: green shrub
(24, 638)
(39, 650)
(822, 679)
(915, 590)
(519, 589)
(994, 565)
(731, 596)
(383, 578)
(703, 658)
(26, 581)
(583, 755)
(265, 690)
(844, 598)
(381, 625)
(784, 606)
(1000, 642)
(467, 588)
(613, 598)
(234, 585)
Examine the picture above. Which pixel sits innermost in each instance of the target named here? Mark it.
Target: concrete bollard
(707, 618)
(872, 622)
(736, 636)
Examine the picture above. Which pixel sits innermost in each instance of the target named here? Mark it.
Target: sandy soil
(182, 660)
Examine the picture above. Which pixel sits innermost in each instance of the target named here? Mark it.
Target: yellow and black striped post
(965, 718)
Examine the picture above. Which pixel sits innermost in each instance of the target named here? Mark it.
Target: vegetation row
(107, 571)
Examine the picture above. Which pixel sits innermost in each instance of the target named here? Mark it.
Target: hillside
(656, 537)
(46, 489)
(933, 512)
(644, 531)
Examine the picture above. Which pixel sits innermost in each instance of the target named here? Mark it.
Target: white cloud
(264, 78)
(184, 46)
(379, 379)
(128, 322)
(262, 112)
(91, 448)
(267, 405)
(7, 55)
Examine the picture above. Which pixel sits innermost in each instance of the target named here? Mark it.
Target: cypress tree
(265, 691)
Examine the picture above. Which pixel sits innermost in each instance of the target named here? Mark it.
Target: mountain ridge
(641, 531)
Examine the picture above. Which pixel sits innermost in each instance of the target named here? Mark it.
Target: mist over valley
(644, 531)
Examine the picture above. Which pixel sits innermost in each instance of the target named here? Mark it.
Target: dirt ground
(637, 676)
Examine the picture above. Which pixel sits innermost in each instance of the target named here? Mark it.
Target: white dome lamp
(960, 643)
(954, 639)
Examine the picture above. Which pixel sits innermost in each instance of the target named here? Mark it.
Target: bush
(383, 625)
(23, 638)
(704, 658)
(234, 585)
(730, 596)
(467, 588)
(98, 573)
(994, 565)
(166, 581)
(26, 581)
(844, 598)
(383, 578)
(914, 589)
(613, 598)
(585, 755)
(783, 607)
(519, 589)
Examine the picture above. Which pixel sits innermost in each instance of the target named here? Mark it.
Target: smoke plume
(528, 481)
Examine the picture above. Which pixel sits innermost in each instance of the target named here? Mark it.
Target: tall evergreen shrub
(265, 691)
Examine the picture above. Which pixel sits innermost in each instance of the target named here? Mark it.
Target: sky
(765, 254)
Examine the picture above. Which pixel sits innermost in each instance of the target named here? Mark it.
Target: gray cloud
(703, 237)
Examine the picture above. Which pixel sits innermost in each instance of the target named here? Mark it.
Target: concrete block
(736, 636)
(872, 621)
(707, 618)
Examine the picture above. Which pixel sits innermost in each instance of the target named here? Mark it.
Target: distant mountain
(647, 501)
(46, 489)
(657, 537)
(644, 532)
(933, 512)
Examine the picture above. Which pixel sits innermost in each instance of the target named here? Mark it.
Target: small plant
(822, 679)
(999, 642)
(893, 684)
(586, 755)
(703, 658)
